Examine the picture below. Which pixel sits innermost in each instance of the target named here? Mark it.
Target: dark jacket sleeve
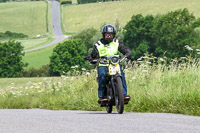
(95, 53)
(124, 50)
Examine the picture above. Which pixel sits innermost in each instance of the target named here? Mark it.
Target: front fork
(114, 77)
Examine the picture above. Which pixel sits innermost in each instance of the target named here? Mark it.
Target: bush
(92, 1)
(43, 71)
(65, 1)
(67, 54)
(87, 37)
(12, 35)
(11, 64)
(162, 35)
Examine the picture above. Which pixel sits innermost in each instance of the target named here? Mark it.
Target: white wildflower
(87, 73)
(37, 87)
(76, 66)
(145, 71)
(91, 88)
(183, 57)
(133, 77)
(12, 87)
(72, 67)
(63, 76)
(188, 48)
(139, 59)
(198, 50)
(145, 57)
(83, 69)
(161, 59)
(143, 65)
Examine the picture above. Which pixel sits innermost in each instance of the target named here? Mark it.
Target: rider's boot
(102, 100)
(126, 99)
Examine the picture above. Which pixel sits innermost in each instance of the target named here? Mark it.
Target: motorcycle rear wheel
(109, 108)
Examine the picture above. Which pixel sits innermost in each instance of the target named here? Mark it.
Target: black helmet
(108, 29)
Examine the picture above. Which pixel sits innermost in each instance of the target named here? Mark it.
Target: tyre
(109, 108)
(119, 96)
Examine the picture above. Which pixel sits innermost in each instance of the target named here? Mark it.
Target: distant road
(66, 121)
(56, 26)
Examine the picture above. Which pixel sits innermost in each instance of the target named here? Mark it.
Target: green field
(23, 17)
(39, 57)
(79, 17)
(33, 43)
(31, 20)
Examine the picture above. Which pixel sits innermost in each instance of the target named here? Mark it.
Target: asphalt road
(49, 121)
(56, 26)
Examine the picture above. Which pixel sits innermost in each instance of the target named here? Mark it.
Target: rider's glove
(128, 56)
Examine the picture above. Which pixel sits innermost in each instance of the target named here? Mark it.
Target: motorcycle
(114, 87)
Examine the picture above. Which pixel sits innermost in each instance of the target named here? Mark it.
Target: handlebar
(104, 59)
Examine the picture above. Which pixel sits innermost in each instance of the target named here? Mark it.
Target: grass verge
(153, 88)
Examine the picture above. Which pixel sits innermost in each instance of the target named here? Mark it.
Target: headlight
(114, 60)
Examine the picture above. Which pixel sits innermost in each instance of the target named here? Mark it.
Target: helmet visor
(109, 35)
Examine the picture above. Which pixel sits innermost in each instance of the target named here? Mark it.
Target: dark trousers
(102, 81)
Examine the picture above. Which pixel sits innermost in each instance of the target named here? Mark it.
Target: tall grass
(83, 16)
(154, 87)
(23, 17)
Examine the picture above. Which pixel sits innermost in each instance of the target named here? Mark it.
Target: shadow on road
(102, 113)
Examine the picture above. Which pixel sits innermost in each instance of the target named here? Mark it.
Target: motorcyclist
(108, 46)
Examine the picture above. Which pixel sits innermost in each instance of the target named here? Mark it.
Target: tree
(163, 34)
(138, 35)
(11, 64)
(67, 54)
(86, 37)
(173, 32)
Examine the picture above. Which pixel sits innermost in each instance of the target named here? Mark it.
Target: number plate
(114, 69)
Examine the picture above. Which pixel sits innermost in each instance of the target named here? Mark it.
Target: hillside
(23, 17)
(79, 17)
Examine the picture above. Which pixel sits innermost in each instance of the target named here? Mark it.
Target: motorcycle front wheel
(119, 96)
